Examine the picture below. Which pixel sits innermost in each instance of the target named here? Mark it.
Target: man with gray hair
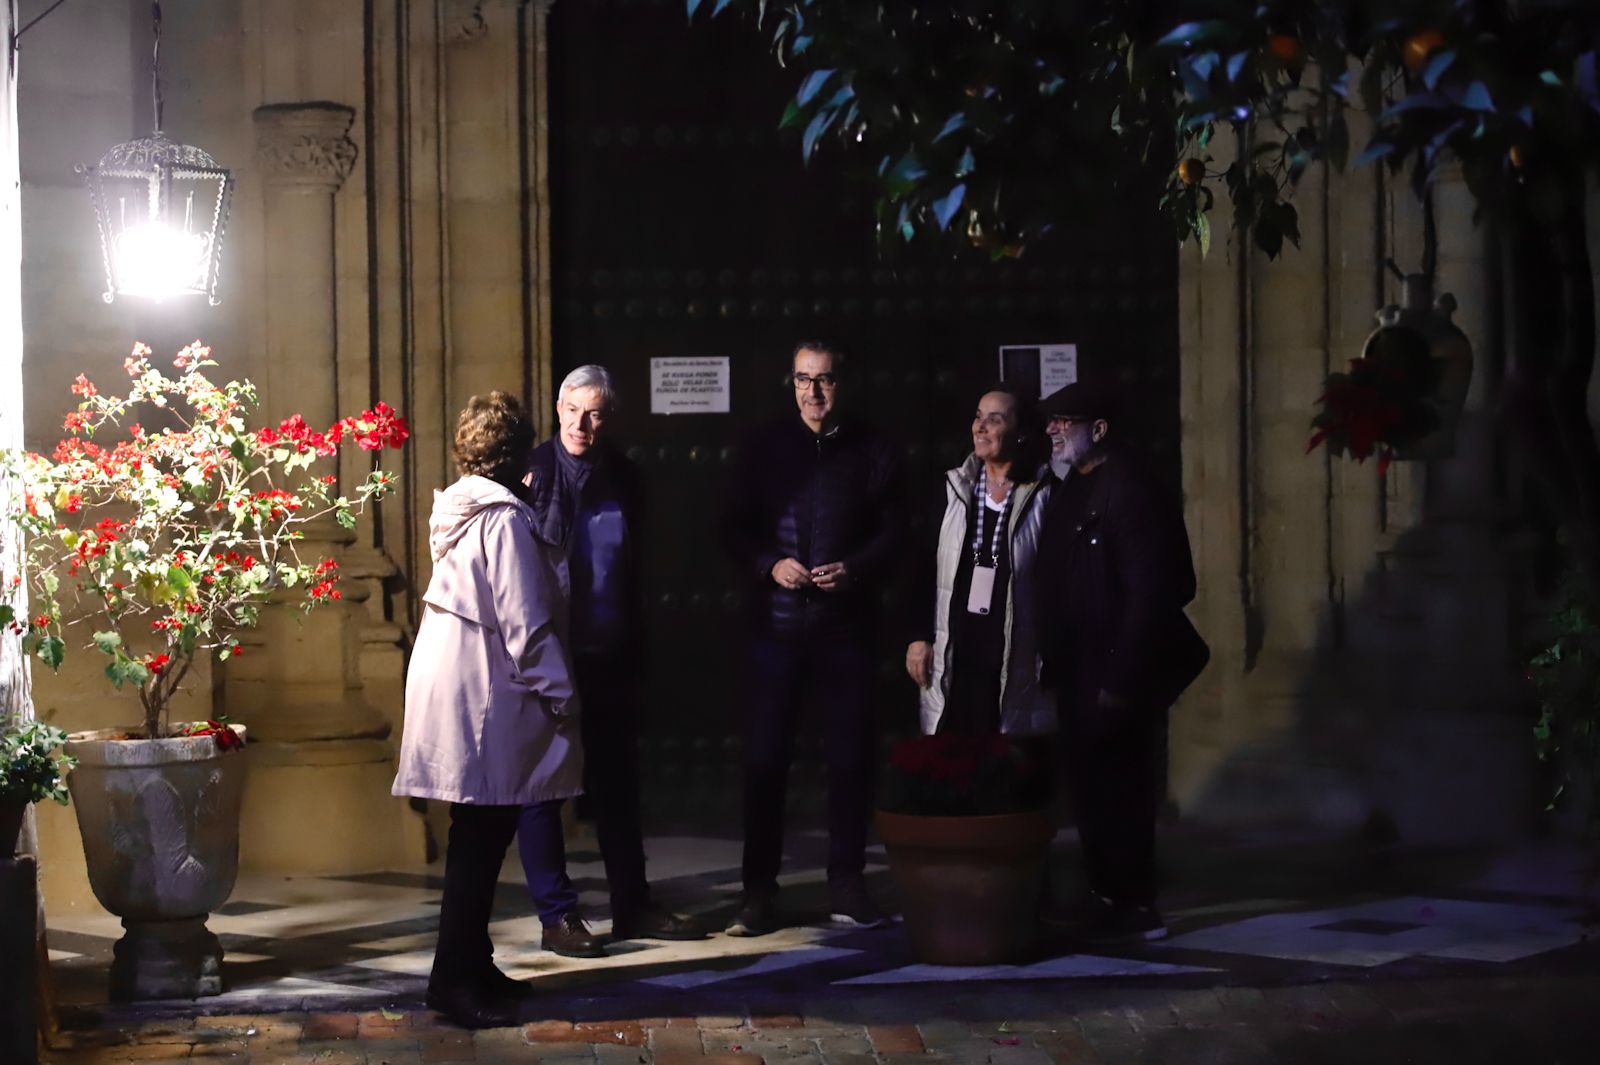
(589, 496)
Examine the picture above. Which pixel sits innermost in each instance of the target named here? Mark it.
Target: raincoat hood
(455, 508)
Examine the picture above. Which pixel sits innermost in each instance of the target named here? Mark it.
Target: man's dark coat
(1112, 584)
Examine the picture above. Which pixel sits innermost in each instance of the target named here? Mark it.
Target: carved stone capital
(464, 21)
(305, 144)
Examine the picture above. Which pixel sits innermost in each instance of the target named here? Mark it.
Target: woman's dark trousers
(479, 839)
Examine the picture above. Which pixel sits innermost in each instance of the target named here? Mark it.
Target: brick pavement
(1542, 1014)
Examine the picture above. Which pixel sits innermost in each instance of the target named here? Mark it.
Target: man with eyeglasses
(1112, 577)
(813, 518)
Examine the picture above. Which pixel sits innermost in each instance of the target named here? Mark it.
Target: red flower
(156, 663)
(83, 387)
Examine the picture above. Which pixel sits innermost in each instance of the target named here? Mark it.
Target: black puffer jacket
(818, 499)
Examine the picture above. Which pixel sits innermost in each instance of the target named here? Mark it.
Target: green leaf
(108, 642)
(812, 85)
(1196, 33)
(8, 614)
(1202, 232)
(953, 123)
(945, 208)
(792, 114)
(1438, 63)
(818, 126)
(52, 649)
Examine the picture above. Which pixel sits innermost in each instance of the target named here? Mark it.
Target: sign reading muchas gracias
(689, 386)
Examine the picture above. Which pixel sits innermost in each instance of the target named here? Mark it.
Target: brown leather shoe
(571, 938)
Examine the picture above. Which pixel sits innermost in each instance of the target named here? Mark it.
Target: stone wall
(1364, 625)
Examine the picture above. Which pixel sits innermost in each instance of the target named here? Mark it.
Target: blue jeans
(543, 850)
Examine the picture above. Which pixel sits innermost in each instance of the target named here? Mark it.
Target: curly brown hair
(493, 438)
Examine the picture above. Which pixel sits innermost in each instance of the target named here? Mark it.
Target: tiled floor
(361, 941)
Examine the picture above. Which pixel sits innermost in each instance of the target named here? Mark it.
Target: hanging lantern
(161, 208)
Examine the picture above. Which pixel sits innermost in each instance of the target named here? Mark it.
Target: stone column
(496, 200)
(298, 684)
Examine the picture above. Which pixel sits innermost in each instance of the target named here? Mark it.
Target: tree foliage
(997, 120)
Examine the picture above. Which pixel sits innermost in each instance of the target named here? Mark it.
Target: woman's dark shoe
(571, 938)
(498, 985)
(474, 1007)
(653, 922)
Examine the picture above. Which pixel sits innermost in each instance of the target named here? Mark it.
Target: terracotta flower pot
(160, 825)
(968, 886)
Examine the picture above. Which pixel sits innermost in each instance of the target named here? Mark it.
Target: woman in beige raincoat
(490, 711)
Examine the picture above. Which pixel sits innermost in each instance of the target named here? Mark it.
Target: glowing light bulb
(157, 261)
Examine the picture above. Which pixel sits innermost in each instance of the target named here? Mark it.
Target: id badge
(981, 594)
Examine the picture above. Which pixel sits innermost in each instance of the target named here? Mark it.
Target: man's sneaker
(571, 938)
(1126, 924)
(852, 905)
(1083, 914)
(757, 916)
(653, 922)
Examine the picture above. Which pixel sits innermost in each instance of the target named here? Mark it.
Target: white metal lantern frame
(156, 188)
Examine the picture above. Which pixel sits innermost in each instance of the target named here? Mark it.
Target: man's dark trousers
(786, 677)
(610, 726)
(1113, 757)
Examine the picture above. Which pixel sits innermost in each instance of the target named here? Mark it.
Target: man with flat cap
(1112, 577)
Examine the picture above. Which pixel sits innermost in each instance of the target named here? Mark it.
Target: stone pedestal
(166, 959)
(19, 907)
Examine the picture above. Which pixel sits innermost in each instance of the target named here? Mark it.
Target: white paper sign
(689, 386)
(1057, 364)
(1058, 367)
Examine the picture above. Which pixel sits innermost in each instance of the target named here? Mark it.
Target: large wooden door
(685, 225)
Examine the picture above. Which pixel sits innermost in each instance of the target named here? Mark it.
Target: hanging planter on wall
(1404, 396)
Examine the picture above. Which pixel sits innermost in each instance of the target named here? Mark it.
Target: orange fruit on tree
(1284, 47)
(1519, 156)
(1191, 171)
(1418, 47)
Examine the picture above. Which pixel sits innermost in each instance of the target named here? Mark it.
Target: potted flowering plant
(32, 769)
(162, 525)
(1384, 404)
(967, 825)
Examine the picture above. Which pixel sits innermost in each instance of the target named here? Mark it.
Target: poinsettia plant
(952, 775)
(1383, 405)
(163, 522)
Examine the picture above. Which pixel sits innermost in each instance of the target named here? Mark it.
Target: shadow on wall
(1408, 722)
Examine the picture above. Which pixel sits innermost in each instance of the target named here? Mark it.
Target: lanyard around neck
(1000, 526)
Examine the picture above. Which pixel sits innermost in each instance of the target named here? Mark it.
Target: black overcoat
(1112, 582)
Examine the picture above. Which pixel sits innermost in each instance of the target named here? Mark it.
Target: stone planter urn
(160, 825)
(968, 886)
(11, 814)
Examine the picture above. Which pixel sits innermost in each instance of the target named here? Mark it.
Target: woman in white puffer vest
(974, 649)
